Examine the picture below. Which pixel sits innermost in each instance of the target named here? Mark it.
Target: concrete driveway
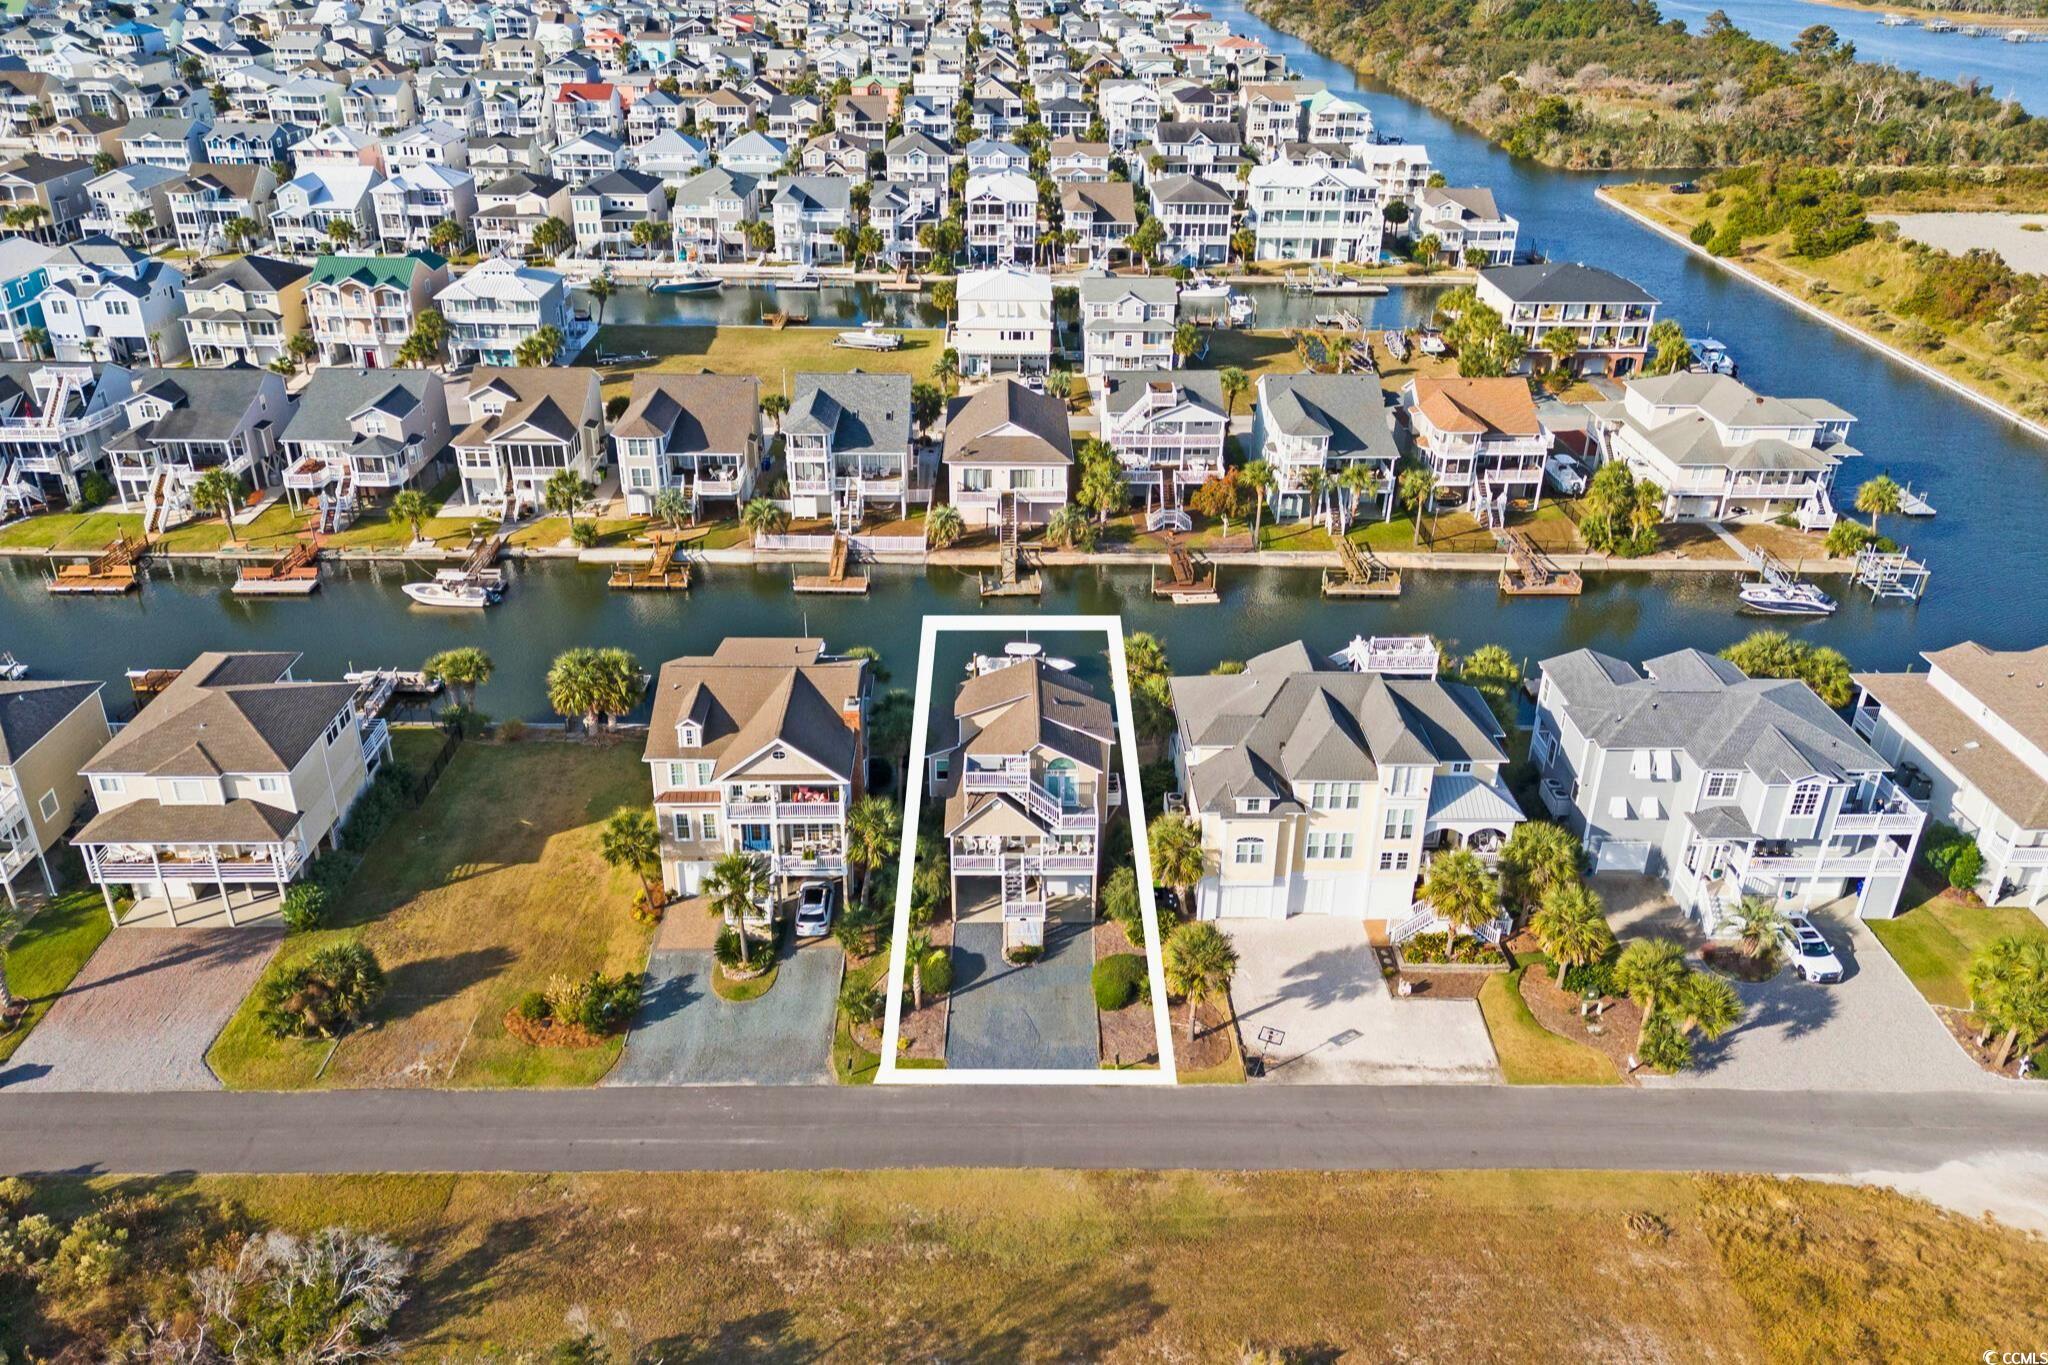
(685, 1035)
(1870, 1031)
(1035, 1018)
(143, 1012)
(1314, 978)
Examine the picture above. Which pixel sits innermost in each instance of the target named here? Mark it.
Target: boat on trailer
(870, 337)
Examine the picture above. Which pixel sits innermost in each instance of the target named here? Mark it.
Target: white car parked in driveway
(1564, 474)
(1809, 951)
(815, 904)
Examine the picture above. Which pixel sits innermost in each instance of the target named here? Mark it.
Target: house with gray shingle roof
(697, 433)
(1009, 453)
(758, 748)
(846, 443)
(48, 730)
(1723, 785)
(220, 791)
(354, 430)
(1325, 422)
(1320, 790)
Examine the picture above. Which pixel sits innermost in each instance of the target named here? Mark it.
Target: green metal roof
(373, 270)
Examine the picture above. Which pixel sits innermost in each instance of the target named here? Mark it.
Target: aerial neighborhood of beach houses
(472, 475)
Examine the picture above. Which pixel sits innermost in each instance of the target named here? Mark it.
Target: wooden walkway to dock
(835, 579)
(1362, 573)
(1532, 573)
(1192, 584)
(667, 572)
(1014, 577)
(113, 571)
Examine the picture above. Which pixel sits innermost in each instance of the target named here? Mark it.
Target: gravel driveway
(1035, 1018)
(144, 1011)
(1869, 1031)
(685, 1035)
(1313, 978)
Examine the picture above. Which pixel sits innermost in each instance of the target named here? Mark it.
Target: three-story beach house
(48, 731)
(697, 433)
(525, 426)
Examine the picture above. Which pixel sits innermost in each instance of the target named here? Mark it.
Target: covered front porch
(233, 906)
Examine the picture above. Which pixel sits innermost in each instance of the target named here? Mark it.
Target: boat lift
(1891, 575)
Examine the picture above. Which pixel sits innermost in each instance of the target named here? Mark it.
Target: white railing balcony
(814, 812)
(749, 810)
(718, 488)
(1009, 778)
(2029, 855)
(1068, 863)
(809, 487)
(976, 864)
(810, 865)
(1885, 810)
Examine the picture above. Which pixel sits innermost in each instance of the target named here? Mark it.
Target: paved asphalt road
(767, 1128)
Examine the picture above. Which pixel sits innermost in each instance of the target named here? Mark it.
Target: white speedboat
(1241, 310)
(1786, 598)
(1017, 652)
(1203, 287)
(803, 277)
(870, 337)
(455, 589)
(1711, 357)
(694, 280)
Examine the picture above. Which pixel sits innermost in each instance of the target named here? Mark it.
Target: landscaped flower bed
(1446, 950)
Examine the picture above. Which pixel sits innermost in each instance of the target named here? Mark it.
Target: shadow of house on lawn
(428, 981)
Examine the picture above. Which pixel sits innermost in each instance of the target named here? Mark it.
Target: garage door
(1622, 855)
(1334, 896)
(1241, 902)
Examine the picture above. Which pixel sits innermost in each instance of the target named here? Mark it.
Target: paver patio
(143, 1012)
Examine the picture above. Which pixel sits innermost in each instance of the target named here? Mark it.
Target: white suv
(1809, 951)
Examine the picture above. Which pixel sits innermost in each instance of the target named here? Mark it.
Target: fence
(423, 782)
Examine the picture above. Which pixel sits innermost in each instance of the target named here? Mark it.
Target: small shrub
(584, 533)
(324, 996)
(27, 1246)
(1024, 954)
(1118, 980)
(1702, 232)
(1955, 856)
(534, 1008)
(94, 489)
(1597, 977)
(727, 951)
(938, 972)
(1664, 1048)
(512, 731)
(93, 1254)
(305, 907)
(14, 1195)
(861, 1001)
(1445, 949)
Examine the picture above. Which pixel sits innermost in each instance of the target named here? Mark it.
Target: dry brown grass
(1038, 1265)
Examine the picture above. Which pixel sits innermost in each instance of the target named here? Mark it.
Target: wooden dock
(1014, 577)
(295, 575)
(1361, 574)
(1532, 573)
(147, 683)
(111, 572)
(835, 578)
(667, 572)
(1191, 584)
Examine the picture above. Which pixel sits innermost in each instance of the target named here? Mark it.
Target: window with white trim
(1392, 861)
(1461, 769)
(1720, 786)
(1248, 852)
(1333, 796)
(48, 805)
(1805, 800)
(109, 786)
(1328, 844)
(1400, 823)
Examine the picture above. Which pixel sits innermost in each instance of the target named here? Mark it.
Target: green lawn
(1936, 940)
(775, 357)
(49, 951)
(1256, 353)
(70, 530)
(489, 890)
(1529, 1053)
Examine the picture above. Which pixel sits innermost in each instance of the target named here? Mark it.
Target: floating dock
(835, 579)
(1532, 573)
(1191, 584)
(146, 683)
(667, 572)
(111, 572)
(295, 575)
(1360, 574)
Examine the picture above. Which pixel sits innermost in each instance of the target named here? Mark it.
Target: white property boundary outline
(1141, 851)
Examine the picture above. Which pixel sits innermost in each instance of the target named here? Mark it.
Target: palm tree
(1178, 858)
(445, 236)
(1235, 384)
(218, 491)
(1069, 528)
(672, 506)
(734, 888)
(1537, 858)
(1314, 484)
(1418, 486)
(763, 516)
(1461, 891)
(463, 669)
(943, 525)
(574, 686)
(37, 341)
(410, 507)
(541, 348)
(1572, 927)
(773, 406)
(916, 948)
(2009, 993)
(1757, 923)
(1707, 1004)
(1186, 341)
(1199, 962)
(140, 222)
(874, 835)
(1361, 481)
(563, 490)
(341, 232)
(601, 290)
(946, 369)
(1651, 972)
(552, 237)
(1258, 476)
(631, 839)
(1881, 496)
(619, 682)
(1563, 344)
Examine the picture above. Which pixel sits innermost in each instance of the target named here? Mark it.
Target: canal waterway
(1989, 478)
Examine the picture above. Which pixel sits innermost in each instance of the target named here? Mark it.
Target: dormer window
(1253, 805)
(689, 734)
(1805, 800)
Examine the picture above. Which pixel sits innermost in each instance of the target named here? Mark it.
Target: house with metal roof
(758, 748)
(220, 791)
(1324, 790)
(361, 309)
(1723, 785)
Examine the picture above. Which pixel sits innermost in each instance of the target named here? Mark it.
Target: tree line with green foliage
(1610, 83)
